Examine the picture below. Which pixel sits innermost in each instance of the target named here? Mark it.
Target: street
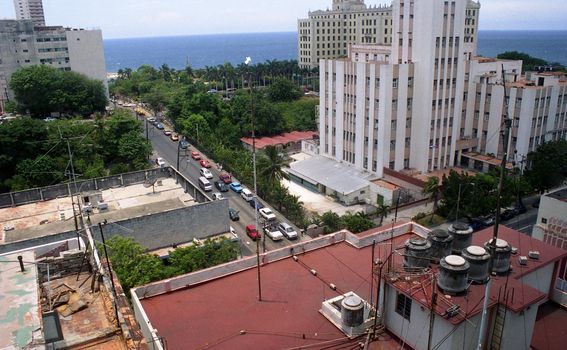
(167, 149)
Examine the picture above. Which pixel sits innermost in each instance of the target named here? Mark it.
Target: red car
(252, 232)
(225, 177)
(195, 155)
(205, 163)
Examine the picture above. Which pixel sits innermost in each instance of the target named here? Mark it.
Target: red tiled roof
(520, 294)
(282, 139)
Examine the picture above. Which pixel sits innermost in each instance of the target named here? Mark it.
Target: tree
(432, 189)
(134, 150)
(547, 166)
(283, 90)
(271, 164)
(42, 90)
(358, 222)
(382, 211)
(39, 172)
(331, 221)
(529, 63)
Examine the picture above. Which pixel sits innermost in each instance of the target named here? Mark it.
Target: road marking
(520, 229)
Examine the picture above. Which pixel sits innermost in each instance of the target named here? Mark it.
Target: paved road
(167, 149)
(523, 222)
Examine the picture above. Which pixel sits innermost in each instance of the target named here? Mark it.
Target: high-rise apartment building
(23, 44)
(327, 34)
(426, 102)
(30, 9)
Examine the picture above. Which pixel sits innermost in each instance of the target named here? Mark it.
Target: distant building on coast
(25, 44)
(30, 9)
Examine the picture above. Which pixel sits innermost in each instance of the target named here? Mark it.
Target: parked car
(217, 196)
(160, 162)
(221, 186)
(233, 214)
(183, 143)
(273, 232)
(174, 137)
(267, 214)
(508, 213)
(167, 132)
(287, 230)
(247, 194)
(195, 155)
(233, 235)
(256, 203)
(205, 163)
(151, 119)
(252, 232)
(236, 186)
(206, 173)
(225, 177)
(159, 126)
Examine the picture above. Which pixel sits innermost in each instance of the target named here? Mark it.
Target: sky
(144, 18)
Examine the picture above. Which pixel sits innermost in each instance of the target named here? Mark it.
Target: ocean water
(211, 50)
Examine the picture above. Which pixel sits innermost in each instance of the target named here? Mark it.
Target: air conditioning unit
(523, 260)
(533, 254)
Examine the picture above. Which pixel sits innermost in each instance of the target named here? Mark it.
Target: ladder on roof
(498, 330)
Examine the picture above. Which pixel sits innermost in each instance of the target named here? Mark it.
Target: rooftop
(221, 304)
(282, 139)
(470, 304)
(20, 313)
(54, 216)
(330, 173)
(560, 195)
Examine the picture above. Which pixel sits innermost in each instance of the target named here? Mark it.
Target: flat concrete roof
(55, 216)
(20, 314)
(328, 172)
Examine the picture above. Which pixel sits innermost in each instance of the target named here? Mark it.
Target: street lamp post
(459, 199)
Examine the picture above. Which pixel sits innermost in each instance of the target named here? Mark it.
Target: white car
(287, 230)
(273, 232)
(267, 214)
(217, 196)
(160, 162)
(206, 173)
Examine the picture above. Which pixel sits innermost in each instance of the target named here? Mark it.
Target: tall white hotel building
(427, 102)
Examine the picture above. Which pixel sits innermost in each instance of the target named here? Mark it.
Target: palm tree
(432, 188)
(270, 167)
(382, 211)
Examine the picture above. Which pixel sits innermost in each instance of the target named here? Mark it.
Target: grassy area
(430, 221)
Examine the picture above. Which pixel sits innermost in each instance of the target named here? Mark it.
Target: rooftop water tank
(479, 259)
(502, 255)
(417, 253)
(352, 311)
(441, 242)
(453, 274)
(462, 236)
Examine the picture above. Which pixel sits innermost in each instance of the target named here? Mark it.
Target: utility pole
(492, 246)
(432, 314)
(255, 197)
(109, 274)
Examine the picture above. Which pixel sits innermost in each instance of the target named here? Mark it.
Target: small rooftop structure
(287, 139)
(330, 173)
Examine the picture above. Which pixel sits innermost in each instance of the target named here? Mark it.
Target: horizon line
(294, 31)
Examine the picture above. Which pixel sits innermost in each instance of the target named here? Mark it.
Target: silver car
(287, 230)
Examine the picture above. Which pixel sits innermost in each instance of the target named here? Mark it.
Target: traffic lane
(167, 149)
(523, 222)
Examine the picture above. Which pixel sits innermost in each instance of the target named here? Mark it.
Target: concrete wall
(158, 231)
(540, 279)
(86, 54)
(519, 329)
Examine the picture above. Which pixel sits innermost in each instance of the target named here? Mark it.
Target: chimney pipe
(20, 259)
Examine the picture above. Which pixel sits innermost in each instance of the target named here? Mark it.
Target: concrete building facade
(23, 44)
(327, 34)
(30, 9)
(426, 102)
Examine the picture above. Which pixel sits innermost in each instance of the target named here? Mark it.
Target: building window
(403, 306)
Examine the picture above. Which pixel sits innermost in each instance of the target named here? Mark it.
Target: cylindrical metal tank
(502, 255)
(453, 274)
(462, 236)
(441, 243)
(417, 252)
(478, 259)
(352, 311)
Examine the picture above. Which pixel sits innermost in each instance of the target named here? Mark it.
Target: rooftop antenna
(151, 181)
(506, 141)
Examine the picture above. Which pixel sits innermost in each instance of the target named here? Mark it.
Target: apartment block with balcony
(30, 9)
